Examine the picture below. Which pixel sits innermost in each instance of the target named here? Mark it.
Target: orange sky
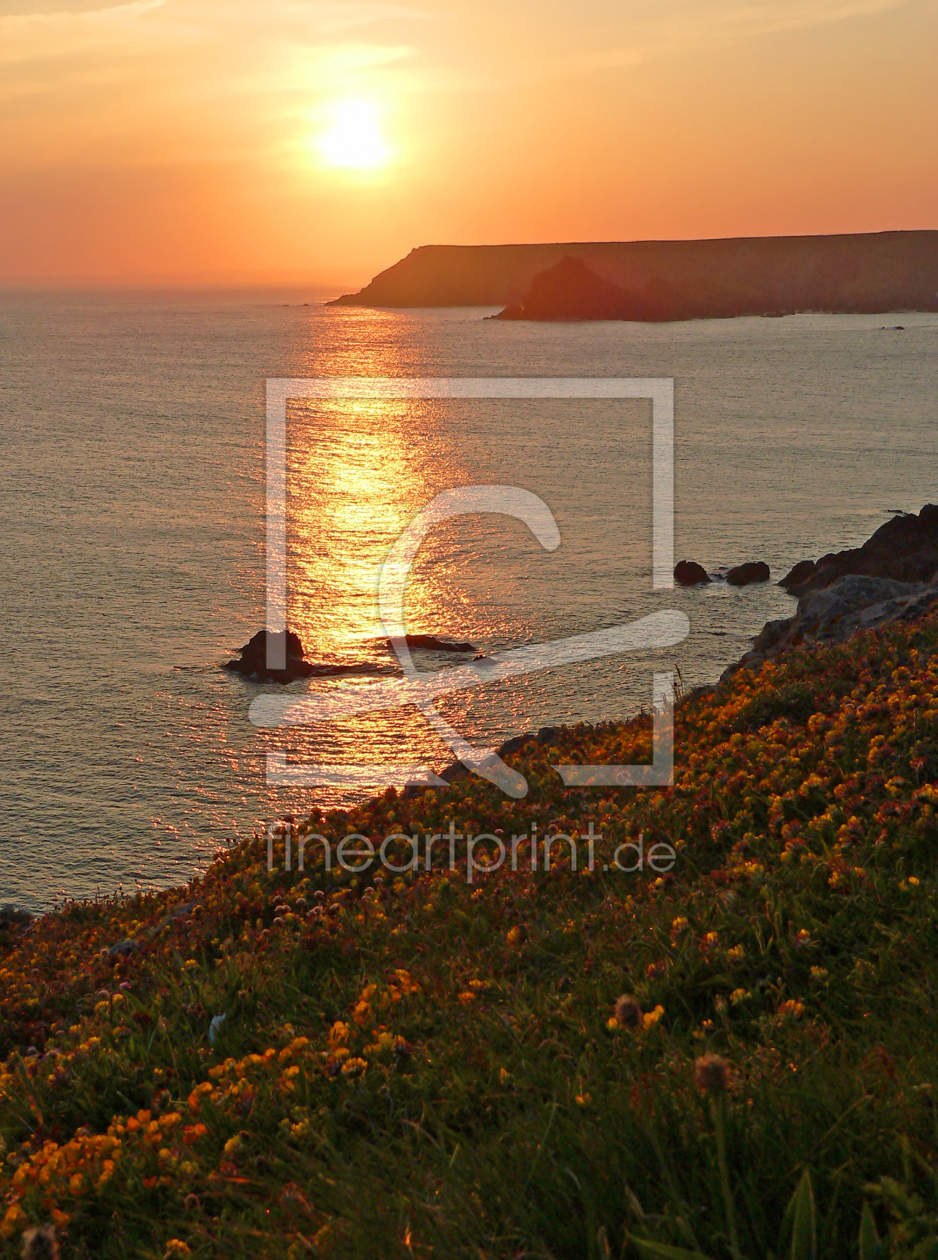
(202, 141)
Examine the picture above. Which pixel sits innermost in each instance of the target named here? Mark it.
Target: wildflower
(736, 954)
(176, 1249)
(338, 1033)
(515, 936)
(739, 995)
(818, 973)
(354, 1067)
(504, 1076)
(583, 1100)
(628, 1013)
(14, 1219)
(710, 1074)
(791, 1009)
(650, 1018)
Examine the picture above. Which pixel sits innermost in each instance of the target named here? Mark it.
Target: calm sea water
(132, 535)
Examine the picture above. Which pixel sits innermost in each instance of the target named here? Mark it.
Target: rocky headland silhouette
(668, 280)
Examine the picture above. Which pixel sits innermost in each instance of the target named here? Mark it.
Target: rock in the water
(431, 643)
(253, 663)
(690, 573)
(904, 549)
(751, 571)
(798, 574)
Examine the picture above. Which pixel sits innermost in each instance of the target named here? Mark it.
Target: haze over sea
(132, 535)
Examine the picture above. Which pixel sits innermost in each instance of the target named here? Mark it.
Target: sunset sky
(270, 141)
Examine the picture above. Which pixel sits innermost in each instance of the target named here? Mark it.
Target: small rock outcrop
(904, 549)
(746, 574)
(690, 573)
(253, 663)
(432, 643)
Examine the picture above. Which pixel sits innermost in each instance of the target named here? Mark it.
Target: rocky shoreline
(839, 595)
(893, 576)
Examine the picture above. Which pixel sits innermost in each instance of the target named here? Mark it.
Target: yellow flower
(14, 1219)
(791, 1009)
(353, 1067)
(584, 1100)
(176, 1249)
(504, 1076)
(514, 936)
(338, 1033)
(650, 1018)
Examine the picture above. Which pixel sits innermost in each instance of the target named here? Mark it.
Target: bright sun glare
(354, 138)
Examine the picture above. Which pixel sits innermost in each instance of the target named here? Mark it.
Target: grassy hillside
(536, 1064)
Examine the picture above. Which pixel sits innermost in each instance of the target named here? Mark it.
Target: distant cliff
(871, 272)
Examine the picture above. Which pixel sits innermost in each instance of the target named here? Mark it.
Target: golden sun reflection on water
(358, 475)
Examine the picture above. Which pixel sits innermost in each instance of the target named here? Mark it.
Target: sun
(354, 139)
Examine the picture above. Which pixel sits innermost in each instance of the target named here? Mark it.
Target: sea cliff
(869, 272)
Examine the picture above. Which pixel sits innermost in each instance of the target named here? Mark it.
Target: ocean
(133, 557)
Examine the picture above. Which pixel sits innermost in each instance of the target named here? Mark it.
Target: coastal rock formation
(690, 573)
(570, 291)
(253, 663)
(833, 615)
(746, 574)
(798, 574)
(769, 275)
(904, 549)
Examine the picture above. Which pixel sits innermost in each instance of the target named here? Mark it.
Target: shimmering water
(132, 535)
